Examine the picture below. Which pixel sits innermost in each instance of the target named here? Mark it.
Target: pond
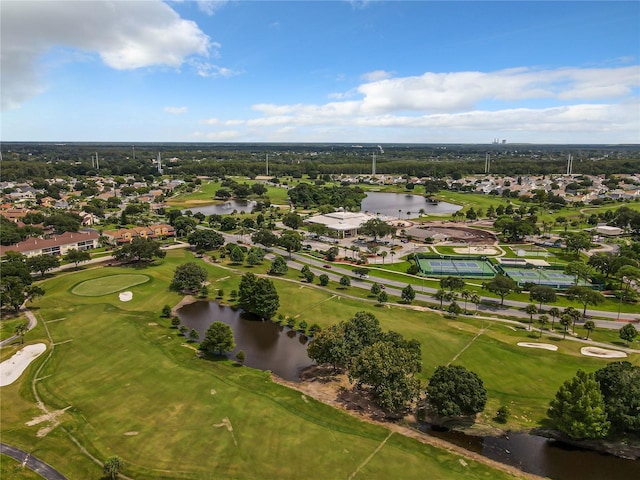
(398, 204)
(226, 207)
(545, 457)
(267, 345)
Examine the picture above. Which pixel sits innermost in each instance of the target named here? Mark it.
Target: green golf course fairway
(134, 388)
(108, 284)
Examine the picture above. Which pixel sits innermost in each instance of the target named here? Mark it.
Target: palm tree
(383, 254)
(21, 330)
(554, 312)
(589, 326)
(477, 300)
(466, 295)
(531, 309)
(565, 320)
(542, 320)
(112, 467)
(440, 295)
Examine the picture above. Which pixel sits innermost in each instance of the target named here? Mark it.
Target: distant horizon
(317, 72)
(355, 145)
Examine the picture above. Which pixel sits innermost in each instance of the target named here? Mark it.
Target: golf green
(109, 284)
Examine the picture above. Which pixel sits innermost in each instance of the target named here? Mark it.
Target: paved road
(32, 463)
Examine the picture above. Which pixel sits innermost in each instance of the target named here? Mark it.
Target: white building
(346, 224)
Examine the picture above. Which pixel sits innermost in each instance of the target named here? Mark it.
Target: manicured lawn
(137, 392)
(108, 284)
(8, 326)
(11, 469)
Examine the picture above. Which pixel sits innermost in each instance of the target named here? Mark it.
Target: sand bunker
(11, 369)
(544, 346)
(481, 250)
(601, 352)
(125, 296)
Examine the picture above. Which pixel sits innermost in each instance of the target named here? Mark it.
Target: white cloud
(206, 69)
(126, 35)
(534, 105)
(176, 110)
(217, 121)
(376, 75)
(225, 135)
(211, 6)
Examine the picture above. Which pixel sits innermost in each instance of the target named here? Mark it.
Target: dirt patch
(323, 384)
(453, 233)
(131, 434)
(477, 250)
(51, 418)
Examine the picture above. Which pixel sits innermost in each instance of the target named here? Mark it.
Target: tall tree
(292, 220)
(585, 296)
(258, 295)
(291, 241)
(542, 294)
(502, 286)
(205, 239)
(42, 263)
(578, 408)
(140, 249)
(628, 333)
(408, 294)
(218, 339)
(278, 266)
(376, 228)
(188, 277)
(454, 391)
(620, 387)
(76, 256)
(577, 241)
(389, 371)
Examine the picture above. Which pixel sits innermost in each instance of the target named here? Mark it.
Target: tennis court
(455, 267)
(540, 276)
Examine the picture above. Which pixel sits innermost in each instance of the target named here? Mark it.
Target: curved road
(32, 463)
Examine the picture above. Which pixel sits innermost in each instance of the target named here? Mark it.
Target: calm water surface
(267, 346)
(226, 208)
(390, 203)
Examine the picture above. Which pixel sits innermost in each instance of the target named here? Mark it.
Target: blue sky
(323, 71)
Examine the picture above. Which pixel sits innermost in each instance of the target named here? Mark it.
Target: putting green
(108, 284)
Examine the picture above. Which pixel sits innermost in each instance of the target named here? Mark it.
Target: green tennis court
(541, 276)
(468, 267)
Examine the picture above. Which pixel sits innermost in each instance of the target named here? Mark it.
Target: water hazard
(267, 346)
(545, 457)
(398, 204)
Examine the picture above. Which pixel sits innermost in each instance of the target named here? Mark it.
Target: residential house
(56, 245)
(126, 235)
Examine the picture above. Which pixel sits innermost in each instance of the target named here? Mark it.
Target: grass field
(108, 284)
(136, 391)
